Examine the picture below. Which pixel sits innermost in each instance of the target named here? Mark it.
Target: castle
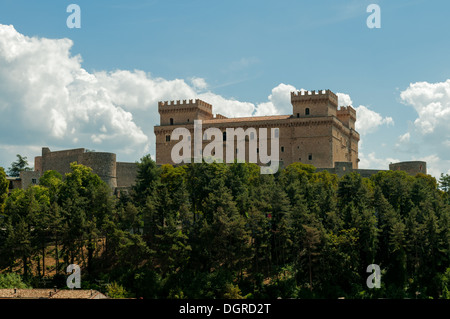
(317, 133)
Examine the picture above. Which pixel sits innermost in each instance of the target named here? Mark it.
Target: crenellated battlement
(347, 110)
(184, 103)
(307, 96)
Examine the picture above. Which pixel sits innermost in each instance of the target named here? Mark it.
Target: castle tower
(183, 112)
(312, 103)
(347, 115)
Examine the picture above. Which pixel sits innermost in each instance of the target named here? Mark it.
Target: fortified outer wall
(412, 167)
(102, 164)
(342, 168)
(126, 174)
(59, 160)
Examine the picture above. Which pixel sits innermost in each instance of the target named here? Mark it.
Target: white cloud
(47, 98)
(371, 161)
(435, 165)
(367, 120)
(404, 138)
(432, 104)
(430, 131)
(279, 101)
(199, 83)
(344, 99)
(227, 107)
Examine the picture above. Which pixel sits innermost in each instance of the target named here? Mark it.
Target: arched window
(171, 121)
(307, 111)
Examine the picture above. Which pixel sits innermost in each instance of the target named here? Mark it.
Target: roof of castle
(247, 119)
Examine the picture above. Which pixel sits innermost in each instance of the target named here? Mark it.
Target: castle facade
(317, 132)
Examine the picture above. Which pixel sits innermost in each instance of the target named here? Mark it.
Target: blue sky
(241, 56)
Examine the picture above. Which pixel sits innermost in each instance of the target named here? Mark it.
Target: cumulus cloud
(344, 99)
(372, 161)
(199, 83)
(368, 120)
(430, 131)
(279, 101)
(432, 104)
(48, 99)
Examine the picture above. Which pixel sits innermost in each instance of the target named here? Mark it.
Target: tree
(12, 280)
(24, 224)
(148, 176)
(18, 166)
(85, 201)
(3, 189)
(444, 182)
(117, 291)
(311, 241)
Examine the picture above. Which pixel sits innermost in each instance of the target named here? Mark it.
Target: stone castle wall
(411, 167)
(103, 164)
(313, 134)
(126, 174)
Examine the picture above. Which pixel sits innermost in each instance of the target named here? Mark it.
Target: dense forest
(227, 231)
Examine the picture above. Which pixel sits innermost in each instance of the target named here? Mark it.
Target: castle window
(310, 157)
(307, 111)
(257, 150)
(224, 136)
(188, 120)
(299, 159)
(34, 181)
(298, 114)
(171, 121)
(167, 138)
(282, 149)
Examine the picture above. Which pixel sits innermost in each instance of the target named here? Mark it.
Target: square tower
(312, 103)
(183, 112)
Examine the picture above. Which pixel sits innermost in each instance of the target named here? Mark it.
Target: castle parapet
(183, 111)
(307, 96)
(169, 105)
(347, 111)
